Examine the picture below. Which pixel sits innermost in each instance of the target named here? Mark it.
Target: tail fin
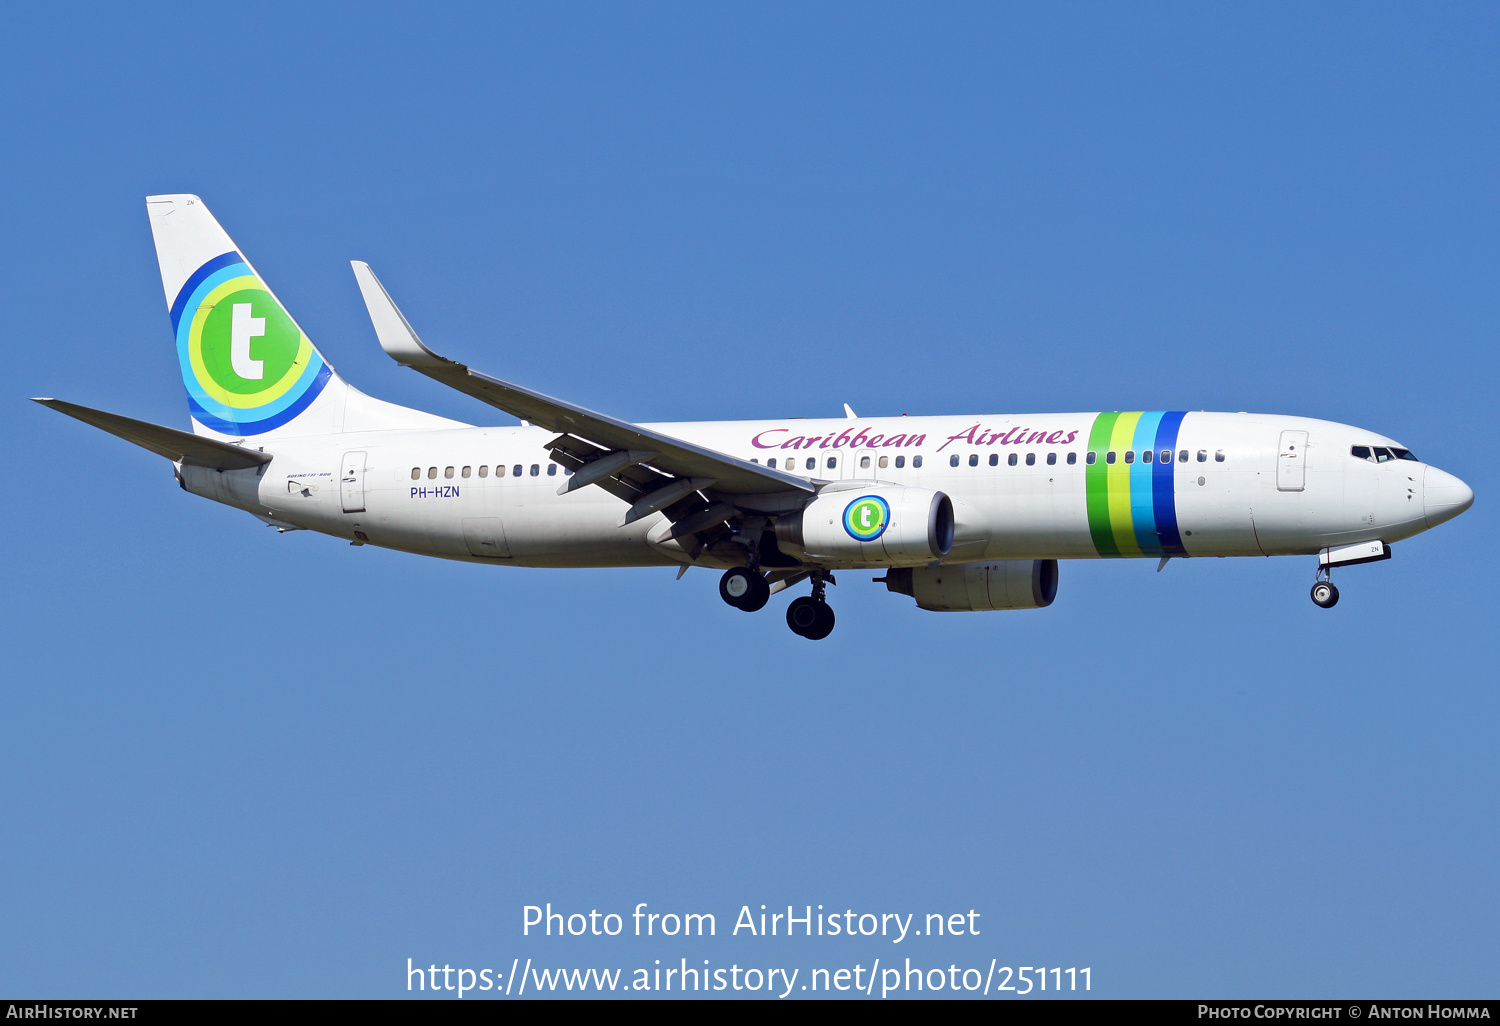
(249, 369)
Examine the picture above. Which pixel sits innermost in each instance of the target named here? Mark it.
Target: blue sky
(244, 764)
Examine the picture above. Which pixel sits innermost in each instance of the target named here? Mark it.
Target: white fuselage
(1232, 487)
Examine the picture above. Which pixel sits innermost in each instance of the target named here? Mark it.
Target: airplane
(966, 513)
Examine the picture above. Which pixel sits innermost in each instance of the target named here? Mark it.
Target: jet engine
(965, 587)
(875, 526)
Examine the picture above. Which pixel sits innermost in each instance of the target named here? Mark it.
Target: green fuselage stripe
(1096, 482)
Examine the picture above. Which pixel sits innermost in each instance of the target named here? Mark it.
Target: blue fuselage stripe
(1163, 486)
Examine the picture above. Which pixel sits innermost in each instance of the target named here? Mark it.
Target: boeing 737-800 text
(961, 513)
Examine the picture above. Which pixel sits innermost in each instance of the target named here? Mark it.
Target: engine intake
(876, 526)
(973, 587)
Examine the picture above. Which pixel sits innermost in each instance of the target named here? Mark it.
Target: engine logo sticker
(867, 517)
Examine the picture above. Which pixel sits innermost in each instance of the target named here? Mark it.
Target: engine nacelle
(966, 587)
(875, 526)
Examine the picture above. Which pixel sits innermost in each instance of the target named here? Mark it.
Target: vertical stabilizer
(248, 367)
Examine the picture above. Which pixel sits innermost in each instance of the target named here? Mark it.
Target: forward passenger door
(1291, 462)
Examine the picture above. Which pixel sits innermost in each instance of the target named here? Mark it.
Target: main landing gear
(811, 616)
(744, 588)
(1324, 594)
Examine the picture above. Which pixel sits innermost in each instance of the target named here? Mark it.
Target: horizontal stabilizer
(178, 446)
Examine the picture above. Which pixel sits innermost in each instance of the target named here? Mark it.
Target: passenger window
(1072, 458)
(1052, 459)
(536, 470)
(516, 472)
(916, 461)
(1031, 459)
(833, 461)
(1166, 456)
(1012, 460)
(552, 470)
(973, 459)
(466, 471)
(994, 459)
(1146, 456)
(1383, 455)
(953, 460)
(812, 463)
(484, 471)
(432, 473)
(448, 473)
(754, 460)
(1109, 457)
(1129, 455)
(1361, 452)
(1182, 456)
(1091, 458)
(771, 462)
(1202, 455)
(1219, 456)
(864, 463)
(885, 461)
(416, 472)
(900, 462)
(499, 469)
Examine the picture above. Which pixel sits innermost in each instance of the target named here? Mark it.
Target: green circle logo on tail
(248, 343)
(867, 517)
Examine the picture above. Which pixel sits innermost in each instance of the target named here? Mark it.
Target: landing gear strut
(810, 616)
(1324, 594)
(744, 588)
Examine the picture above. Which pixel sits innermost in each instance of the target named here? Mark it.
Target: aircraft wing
(178, 446)
(628, 448)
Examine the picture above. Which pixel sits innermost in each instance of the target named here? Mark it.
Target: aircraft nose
(1444, 496)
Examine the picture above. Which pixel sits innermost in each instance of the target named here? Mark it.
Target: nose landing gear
(810, 616)
(1324, 594)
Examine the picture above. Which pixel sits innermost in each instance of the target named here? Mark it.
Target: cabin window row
(1014, 459)
(1146, 456)
(1150, 455)
(518, 470)
(1130, 456)
(811, 462)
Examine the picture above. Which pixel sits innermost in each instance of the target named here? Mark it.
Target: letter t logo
(242, 328)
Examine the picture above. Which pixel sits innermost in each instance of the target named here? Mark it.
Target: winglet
(393, 330)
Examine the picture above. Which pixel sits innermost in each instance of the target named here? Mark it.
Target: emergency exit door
(1291, 462)
(352, 482)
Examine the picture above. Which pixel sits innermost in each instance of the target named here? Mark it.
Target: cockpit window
(1381, 453)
